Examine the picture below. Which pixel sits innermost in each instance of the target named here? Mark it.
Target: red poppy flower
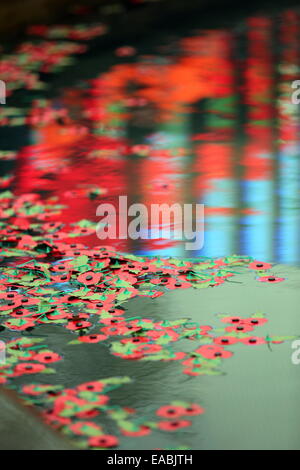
(11, 305)
(226, 340)
(240, 328)
(271, 279)
(234, 320)
(142, 431)
(253, 340)
(170, 411)
(28, 368)
(61, 267)
(91, 387)
(20, 313)
(135, 340)
(67, 401)
(112, 330)
(193, 409)
(10, 295)
(259, 265)
(119, 321)
(90, 278)
(65, 277)
(211, 351)
(92, 338)
(47, 357)
(25, 301)
(255, 321)
(173, 425)
(114, 312)
(78, 325)
(155, 334)
(105, 441)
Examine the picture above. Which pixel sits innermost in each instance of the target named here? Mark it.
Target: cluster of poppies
(72, 410)
(21, 68)
(49, 277)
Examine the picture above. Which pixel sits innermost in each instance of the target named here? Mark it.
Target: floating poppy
(21, 313)
(90, 278)
(173, 425)
(105, 441)
(234, 320)
(271, 279)
(170, 411)
(96, 386)
(142, 431)
(75, 325)
(92, 338)
(85, 428)
(255, 321)
(226, 340)
(253, 340)
(260, 266)
(240, 328)
(211, 351)
(193, 409)
(47, 357)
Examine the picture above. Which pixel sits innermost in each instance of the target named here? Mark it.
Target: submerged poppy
(28, 368)
(211, 351)
(170, 411)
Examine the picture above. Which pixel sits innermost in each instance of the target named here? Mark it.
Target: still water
(204, 115)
